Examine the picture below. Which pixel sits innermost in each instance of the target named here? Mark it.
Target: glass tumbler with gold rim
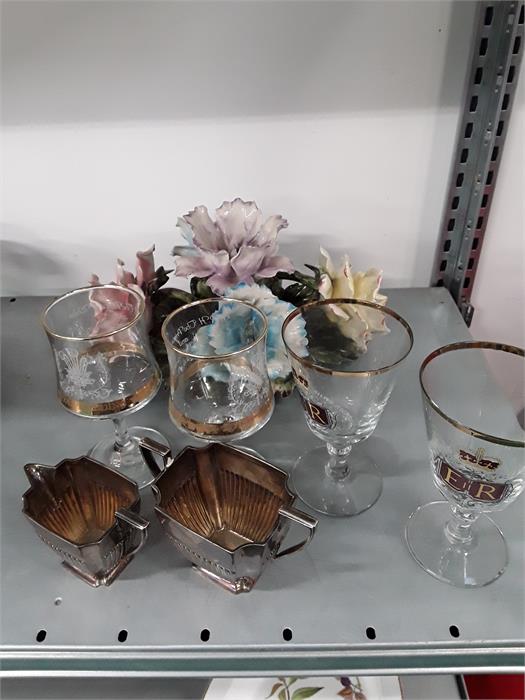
(473, 398)
(344, 374)
(219, 384)
(105, 368)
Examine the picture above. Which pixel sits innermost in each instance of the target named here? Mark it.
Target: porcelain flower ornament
(110, 305)
(239, 246)
(355, 322)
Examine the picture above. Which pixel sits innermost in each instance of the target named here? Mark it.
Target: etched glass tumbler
(219, 384)
(105, 367)
(345, 374)
(473, 396)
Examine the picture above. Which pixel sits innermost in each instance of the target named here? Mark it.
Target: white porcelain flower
(355, 322)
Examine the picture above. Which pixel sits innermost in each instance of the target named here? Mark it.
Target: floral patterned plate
(350, 687)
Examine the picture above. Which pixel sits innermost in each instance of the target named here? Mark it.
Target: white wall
(499, 291)
(121, 116)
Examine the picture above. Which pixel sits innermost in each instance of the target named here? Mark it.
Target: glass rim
(469, 345)
(348, 372)
(73, 292)
(209, 300)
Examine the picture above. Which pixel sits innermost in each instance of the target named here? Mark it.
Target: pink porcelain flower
(239, 246)
(112, 307)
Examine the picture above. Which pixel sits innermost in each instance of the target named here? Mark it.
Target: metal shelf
(356, 573)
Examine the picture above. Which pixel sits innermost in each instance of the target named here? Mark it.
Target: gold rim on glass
(215, 300)
(469, 345)
(342, 372)
(119, 287)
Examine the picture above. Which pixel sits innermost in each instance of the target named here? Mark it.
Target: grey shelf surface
(355, 574)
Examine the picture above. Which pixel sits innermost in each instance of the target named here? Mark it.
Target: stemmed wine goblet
(344, 387)
(473, 393)
(105, 368)
(219, 385)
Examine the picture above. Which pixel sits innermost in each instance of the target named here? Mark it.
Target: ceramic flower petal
(267, 233)
(273, 264)
(276, 311)
(145, 266)
(206, 235)
(325, 263)
(238, 222)
(124, 277)
(186, 230)
(207, 263)
(247, 262)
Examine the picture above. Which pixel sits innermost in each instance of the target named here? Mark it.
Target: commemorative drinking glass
(105, 368)
(473, 395)
(219, 384)
(344, 374)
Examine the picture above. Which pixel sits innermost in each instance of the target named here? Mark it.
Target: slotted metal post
(493, 76)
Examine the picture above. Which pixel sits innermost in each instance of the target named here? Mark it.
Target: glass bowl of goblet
(105, 368)
(473, 395)
(219, 385)
(344, 374)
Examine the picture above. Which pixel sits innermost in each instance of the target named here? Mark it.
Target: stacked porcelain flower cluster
(236, 256)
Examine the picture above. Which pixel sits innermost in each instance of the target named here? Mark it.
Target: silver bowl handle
(148, 448)
(302, 519)
(139, 524)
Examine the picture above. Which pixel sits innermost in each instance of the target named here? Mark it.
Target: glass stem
(338, 467)
(122, 438)
(458, 530)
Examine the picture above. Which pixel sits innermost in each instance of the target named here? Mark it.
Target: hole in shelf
(12, 299)
(473, 103)
(510, 76)
(443, 266)
(122, 635)
(205, 635)
(446, 246)
(454, 631)
(439, 283)
(505, 103)
(466, 282)
(455, 203)
(459, 179)
(489, 14)
(517, 44)
(468, 129)
(451, 223)
(464, 155)
(370, 633)
(478, 76)
(495, 153)
(287, 634)
(58, 601)
(520, 20)
(41, 635)
(479, 222)
(501, 125)
(475, 243)
(483, 44)
(484, 201)
(490, 177)
(470, 264)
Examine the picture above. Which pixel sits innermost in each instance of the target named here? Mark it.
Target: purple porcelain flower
(237, 247)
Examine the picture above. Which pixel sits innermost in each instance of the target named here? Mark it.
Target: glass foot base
(349, 496)
(128, 459)
(465, 566)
